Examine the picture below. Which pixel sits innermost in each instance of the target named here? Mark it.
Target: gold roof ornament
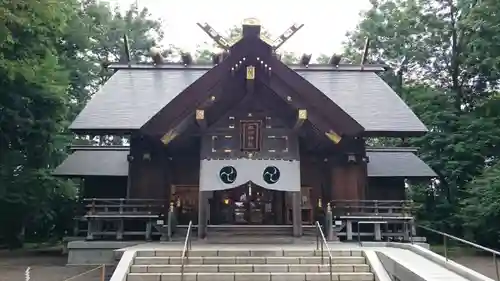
(251, 21)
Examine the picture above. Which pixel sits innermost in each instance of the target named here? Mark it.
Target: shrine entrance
(248, 204)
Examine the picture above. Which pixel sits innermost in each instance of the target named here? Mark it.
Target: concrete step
(176, 260)
(245, 239)
(249, 230)
(248, 253)
(236, 268)
(279, 276)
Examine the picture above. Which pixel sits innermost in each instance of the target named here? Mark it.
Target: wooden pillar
(167, 183)
(278, 206)
(326, 183)
(202, 214)
(297, 213)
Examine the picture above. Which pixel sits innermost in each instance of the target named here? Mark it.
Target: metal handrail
(319, 233)
(187, 247)
(477, 246)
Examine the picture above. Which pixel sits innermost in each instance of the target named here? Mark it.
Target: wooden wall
(330, 179)
(386, 189)
(152, 171)
(149, 172)
(348, 181)
(104, 187)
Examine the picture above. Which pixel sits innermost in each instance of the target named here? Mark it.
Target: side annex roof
(109, 161)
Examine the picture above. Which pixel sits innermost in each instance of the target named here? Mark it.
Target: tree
(451, 76)
(33, 107)
(323, 59)
(97, 40)
(50, 61)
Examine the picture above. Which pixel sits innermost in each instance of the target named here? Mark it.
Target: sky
(325, 21)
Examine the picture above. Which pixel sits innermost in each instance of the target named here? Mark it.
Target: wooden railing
(119, 217)
(370, 208)
(123, 206)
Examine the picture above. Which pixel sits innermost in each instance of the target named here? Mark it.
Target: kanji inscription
(250, 135)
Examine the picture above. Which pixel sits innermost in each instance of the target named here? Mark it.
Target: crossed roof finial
(254, 25)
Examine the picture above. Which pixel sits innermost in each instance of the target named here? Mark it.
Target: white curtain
(251, 170)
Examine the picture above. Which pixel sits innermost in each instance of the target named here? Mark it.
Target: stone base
(96, 252)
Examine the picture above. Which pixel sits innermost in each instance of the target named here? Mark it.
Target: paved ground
(45, 266)
(50, 266)
(483, 265)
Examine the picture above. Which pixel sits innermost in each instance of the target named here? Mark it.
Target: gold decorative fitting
(303, 114)
(200, 114)
(250, 72)
(168, 137)
(328, 207)
(333, 136)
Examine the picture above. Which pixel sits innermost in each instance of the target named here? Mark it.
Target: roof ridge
(392, 149)
(100, 147)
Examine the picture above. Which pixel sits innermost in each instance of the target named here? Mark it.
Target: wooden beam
(221, 41)
(278, 42)
(188, 100)
(177, 130)
(281, 90)
(301, 117)
(198, 116)
(365, 52)
(315, 98)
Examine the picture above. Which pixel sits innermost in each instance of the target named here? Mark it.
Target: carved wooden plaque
(250, 134)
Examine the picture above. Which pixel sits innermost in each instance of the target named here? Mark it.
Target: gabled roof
(131, 97)
(368, 99)
(109, 161)
(156, 99)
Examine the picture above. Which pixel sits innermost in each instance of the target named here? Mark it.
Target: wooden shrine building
(247, 140)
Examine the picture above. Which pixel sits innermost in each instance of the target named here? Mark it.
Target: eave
(297, 67)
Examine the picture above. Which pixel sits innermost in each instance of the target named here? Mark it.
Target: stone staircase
(249, 234)
(250, 265)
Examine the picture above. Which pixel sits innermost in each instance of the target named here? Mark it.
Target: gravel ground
(45, 266)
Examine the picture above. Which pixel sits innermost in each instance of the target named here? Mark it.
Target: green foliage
(450, 77)
(483, 204)
(50, 65)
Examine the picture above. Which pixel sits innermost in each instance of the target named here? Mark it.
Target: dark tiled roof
(131, 97)
(397, 163)
(94, 163)
(102, 162)
(367, 98)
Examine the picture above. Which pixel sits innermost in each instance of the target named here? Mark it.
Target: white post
(27, 276)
